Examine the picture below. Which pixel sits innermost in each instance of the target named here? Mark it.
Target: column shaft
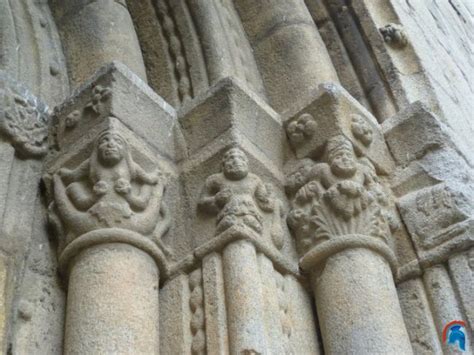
(357, 305)
(112, 304)
(243, 290)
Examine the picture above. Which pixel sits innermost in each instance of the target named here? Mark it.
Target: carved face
(343, 163)
(111, 148)
(362, 130)
(235, 164)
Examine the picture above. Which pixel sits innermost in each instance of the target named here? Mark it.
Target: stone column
(357, 304)
(288, 49)
(343, 219)
(112, 303)
(245, 309)
(107, 188)
(95, 33)
(253, 302)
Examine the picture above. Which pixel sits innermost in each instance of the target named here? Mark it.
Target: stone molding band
(108, 236)
(318, 254)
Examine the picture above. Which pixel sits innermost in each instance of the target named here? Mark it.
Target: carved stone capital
(23, 119)
(240, 199)
(107, 178)
(331, 111)
(339, 203)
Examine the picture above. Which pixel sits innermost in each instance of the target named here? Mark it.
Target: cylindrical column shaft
(246, 322)
(112, 304)
(95, 33)
(290, 53)
(357, 305)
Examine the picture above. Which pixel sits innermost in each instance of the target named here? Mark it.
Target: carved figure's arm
(144, 177)
(81, 198)
(263, 195)
(139, 201)
(76, 174)
(208, 199)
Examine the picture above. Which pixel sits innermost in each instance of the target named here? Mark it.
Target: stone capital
(332, 111)
(107, 175)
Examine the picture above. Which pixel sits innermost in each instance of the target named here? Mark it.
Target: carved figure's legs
(357, 305)
(112, 304)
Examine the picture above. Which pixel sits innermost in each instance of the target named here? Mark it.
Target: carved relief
(394, 35)
(301, 129)
(176, 50)
(100, 95)
(109, 189)
(196, 302)
(25, 123)
(340, 196)
(439, 214)
(361, 130)
(240, 198)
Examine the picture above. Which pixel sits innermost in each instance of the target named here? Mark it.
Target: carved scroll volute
(339, 203)
(242, 200)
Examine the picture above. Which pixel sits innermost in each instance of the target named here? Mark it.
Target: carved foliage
(100, 95)
(240, 199)
(301, 129)
(394, 35)
(25, 123)
(339, 196)
(109, 189)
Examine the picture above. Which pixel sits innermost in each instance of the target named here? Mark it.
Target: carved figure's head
(362, 130)
(111, 148)
(341, 157)
(235, 164)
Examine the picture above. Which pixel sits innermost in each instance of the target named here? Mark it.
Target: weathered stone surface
(331, 111)
(170, 227)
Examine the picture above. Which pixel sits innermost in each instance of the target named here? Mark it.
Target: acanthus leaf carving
(240, 199)
(24, 123)
(340, 196)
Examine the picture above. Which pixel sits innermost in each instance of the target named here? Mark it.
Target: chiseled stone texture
(297, 178)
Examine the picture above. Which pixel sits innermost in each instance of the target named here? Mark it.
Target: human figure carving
(240, 198)
(345, 182)
(347, 185)
(109, 189)
(111, 166)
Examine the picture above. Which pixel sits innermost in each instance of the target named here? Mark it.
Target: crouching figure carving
(240, 198)
(340, 196)
(108, 190)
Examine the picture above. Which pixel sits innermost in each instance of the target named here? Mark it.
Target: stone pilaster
(342, 218)
(106, 179)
